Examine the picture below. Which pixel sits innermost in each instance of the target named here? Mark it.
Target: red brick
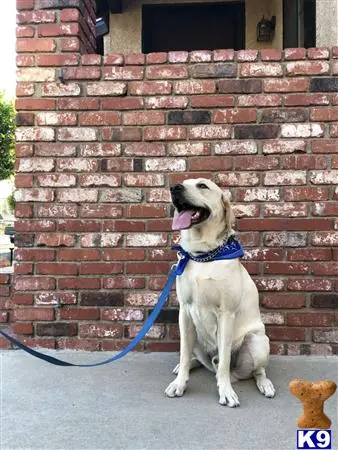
(60, 90)
(35, 45)
(34, 104)
(79, 283)
(121, 134)
(78, 103)
(312, 254)
(144, 118)
(24, 4)
(22, 299)
(305, 193)
(57, 60)
(79, 313)
(144, 211)
(325, 268)
(195, 87)
(286, 268)
(294, 53)
(292, 224)
(56, 118)
(124, 282)
(22, 328)
(150, 87)
(200, 56)
(69, 15)
(113, 59)
(24, 89)
(285, 333)
(134, 58)
(100, 211)
(283, 301)
(247, 55)
(59, 210)
(223, 55)
(91, 60)
(238, 179)
(166, 72)
(324, 114)
(100, 330)
(57, 30)
(178, 57)
(123, 73)
(34, 314)
(157, 58)
(308, 319)
(55, 239)
(307, 68)
(97, 268)
(270, 54)
(23, 210)
(325, 146)
(36, 17)
(146, 268)
(22, 181)
(165, 133)
(285, 85)
(210, 163)
(117, 254)
(99, 118)
(325, 209)
(309, 285)
(306, 99)
(78, 254)
(124, 103)
(123, 225)
(261, 70)
(235, 116)
(256, 162)
(81, 73)
(25, 60)
(210, 132)
(70, 44)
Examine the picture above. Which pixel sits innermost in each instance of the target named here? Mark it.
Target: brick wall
(99, 141)
(5, 302)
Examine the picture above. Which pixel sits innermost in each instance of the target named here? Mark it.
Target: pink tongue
(182, 220)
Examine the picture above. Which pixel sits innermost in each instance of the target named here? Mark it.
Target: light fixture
(266, 29)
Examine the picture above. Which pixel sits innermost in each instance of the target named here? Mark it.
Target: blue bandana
(230, 249)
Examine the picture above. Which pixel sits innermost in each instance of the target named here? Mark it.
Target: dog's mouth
(187, 215)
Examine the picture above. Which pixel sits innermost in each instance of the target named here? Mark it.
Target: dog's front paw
(176, 388)
(228, 397)
(265, 386)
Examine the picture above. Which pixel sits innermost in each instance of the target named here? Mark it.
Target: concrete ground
(122, 405)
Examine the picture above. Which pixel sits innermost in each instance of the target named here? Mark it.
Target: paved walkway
(122, 405)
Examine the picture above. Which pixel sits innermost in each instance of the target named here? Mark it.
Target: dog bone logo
(313, 395)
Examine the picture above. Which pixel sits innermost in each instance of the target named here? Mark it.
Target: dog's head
(199, 203)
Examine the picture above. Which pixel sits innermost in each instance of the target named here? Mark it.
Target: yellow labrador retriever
(219, 319)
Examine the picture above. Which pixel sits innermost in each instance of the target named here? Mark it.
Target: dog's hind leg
(251, 361)
(200, 358)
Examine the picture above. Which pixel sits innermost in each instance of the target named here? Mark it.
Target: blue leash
(231, 249)
(146, 326)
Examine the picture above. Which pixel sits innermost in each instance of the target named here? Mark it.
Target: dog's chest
(200, 291)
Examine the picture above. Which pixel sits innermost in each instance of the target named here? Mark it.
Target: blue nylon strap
(146, 327)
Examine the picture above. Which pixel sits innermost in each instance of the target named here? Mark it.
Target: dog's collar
(231, 249)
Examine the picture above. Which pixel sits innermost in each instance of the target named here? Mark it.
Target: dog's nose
(176, 188)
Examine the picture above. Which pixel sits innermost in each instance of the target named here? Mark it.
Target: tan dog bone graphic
(313, 395)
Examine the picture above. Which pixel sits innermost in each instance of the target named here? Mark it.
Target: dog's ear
(228, 212)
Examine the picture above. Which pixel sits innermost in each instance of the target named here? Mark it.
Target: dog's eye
(202, 186)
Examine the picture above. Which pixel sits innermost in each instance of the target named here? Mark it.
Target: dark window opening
(193, 27)
(299, 17)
